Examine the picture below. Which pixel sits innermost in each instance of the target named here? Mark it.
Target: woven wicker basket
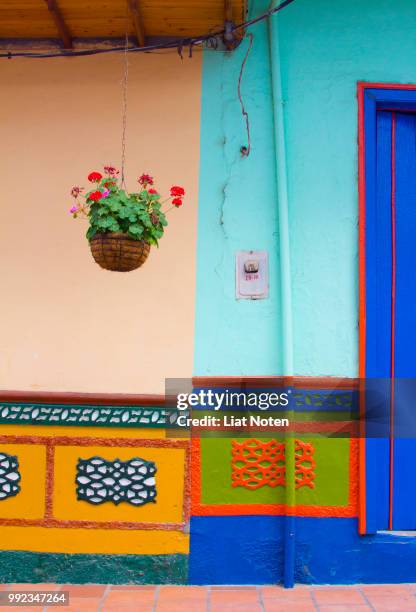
(118, 252)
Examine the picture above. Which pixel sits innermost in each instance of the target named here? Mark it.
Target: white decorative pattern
(9, 476)
(123, 416)
(116, 481)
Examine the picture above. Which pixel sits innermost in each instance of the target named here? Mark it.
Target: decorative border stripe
(96, 416)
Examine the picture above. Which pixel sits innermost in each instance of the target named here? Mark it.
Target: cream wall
(66, 324)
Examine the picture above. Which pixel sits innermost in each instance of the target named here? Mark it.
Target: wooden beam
(60, 23)
(137, 21)
(228, 10)
(231, 39)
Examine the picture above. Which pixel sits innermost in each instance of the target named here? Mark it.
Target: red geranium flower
(153, 191)
(109, 184)
(94, 177)
(111, 171)
(145, 179)
(177, 191)
(177, 202)
(95, 196)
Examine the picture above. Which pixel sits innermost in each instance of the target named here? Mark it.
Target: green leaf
(114, 206)
(135, 229)
(91, 231)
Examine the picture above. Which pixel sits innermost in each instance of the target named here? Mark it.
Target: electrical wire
(245, 150)
(209, 39)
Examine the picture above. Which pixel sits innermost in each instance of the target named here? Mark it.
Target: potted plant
(122, 226)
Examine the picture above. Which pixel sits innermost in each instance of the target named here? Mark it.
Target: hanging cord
(245, 150)
(124, 110)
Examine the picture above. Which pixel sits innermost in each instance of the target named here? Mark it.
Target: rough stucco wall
(325, 50)
(66, 324)
(237, 212)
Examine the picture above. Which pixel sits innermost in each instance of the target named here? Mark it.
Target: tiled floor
(103, 598)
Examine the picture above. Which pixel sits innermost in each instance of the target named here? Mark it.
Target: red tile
(182, 591)
(84, 590)
(28, 586)
(238, 608)
(178, 598)
(191, 606)
(234, 588)
(129, 598)
(81, 604)
(345, 608)
(392, 590)
(126, 608)
(338, 596)
(132, 587)
(387, 603)
(276, 605)
(234, 597)
(278, 592)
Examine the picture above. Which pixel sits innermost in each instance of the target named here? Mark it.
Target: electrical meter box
(252, 275)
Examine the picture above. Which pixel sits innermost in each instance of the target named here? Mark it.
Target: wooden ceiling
(104, 19)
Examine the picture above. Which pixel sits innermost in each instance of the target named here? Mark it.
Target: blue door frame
(381, 121)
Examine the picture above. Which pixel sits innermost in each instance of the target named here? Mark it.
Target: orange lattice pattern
(257, 464)
(304, 465)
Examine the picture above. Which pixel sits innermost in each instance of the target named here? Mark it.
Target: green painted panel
(17, 566)
(331, 482)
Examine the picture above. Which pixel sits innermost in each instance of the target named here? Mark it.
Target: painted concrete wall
(237, 198)
(326, 48)
(67, 324)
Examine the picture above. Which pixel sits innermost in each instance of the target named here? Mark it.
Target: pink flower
(105, 193)
(75, 191)
(73, 210)
(111, 171)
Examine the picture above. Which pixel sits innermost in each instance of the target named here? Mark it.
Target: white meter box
(252, 275)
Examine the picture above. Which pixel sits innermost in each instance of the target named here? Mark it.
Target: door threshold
(410, 533)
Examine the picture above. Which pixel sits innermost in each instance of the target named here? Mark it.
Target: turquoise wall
(325, 47)
(237, 211)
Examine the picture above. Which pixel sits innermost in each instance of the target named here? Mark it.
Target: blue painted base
(249, 550)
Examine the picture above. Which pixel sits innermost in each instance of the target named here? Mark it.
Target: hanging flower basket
(118, 252)
(123, 226)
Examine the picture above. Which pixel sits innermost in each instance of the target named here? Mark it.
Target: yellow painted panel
(105, 541)
(30, 502)
(84, 432)
(170, 463)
